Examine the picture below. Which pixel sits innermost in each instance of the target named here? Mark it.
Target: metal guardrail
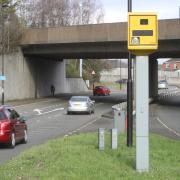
(163, 94)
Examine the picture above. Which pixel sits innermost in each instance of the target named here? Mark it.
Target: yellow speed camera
(142, 33)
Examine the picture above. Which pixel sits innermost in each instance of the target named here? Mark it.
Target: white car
(80, 104)
(162, 84)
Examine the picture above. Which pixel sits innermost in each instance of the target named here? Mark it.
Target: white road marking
(82, 127)
(38, 111)
(58, 109)
(171, 130)
(42, 113)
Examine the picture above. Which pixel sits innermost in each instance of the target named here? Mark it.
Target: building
(171, 65)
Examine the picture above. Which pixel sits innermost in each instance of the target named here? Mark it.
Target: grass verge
(78, 158)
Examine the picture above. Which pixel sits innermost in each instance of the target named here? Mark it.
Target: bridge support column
(153, 78)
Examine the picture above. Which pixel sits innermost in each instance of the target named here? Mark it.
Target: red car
(13, 127)
(101, 90)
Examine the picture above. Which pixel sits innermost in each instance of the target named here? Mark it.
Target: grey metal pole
(80, 60)
(142, 113)
(2, 52)
(120, 74)
(129, 96)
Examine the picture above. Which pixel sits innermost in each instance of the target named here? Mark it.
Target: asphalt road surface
(48, 119)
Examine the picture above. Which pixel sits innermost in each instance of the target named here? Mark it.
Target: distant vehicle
(80, 104)
(162, 84)
(101, 91)
(13, 127)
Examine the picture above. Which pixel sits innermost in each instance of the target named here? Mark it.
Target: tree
(10, 27)
(52, 13)
(96, 65)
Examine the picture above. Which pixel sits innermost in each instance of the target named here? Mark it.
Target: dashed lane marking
(80, 128)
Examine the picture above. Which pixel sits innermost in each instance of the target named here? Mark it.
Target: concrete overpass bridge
(99, 41)
(40, 60)
(95, 41)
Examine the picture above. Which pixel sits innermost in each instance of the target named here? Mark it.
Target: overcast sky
(116, 10)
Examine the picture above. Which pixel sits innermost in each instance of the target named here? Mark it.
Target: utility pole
(80, 60)
(2, 51)
(129, 95)
(120, 74)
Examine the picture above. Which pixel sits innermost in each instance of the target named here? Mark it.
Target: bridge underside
(103, 50)
(100, 50)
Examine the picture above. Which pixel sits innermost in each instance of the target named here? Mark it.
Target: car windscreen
(84, 99)
(2, 116)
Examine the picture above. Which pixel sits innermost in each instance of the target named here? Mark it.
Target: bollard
(101, 139)
(114, 138)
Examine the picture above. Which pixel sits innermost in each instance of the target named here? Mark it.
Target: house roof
(172, 60)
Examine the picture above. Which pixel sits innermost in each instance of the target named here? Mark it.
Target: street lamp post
(93, 73)
(80, 60)
(129, 95)
(2, 51)
(120, 82)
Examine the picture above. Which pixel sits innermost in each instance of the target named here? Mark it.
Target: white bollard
(101, 139)
(114, 138)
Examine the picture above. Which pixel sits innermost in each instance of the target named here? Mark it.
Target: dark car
(101, 91)
(13, 128)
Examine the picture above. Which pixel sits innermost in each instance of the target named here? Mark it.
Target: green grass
(78, 158)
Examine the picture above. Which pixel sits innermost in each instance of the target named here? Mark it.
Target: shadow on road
(114, 98)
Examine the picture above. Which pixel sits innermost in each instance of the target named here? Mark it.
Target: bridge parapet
(107, 32)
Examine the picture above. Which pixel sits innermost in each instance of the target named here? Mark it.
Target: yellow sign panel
(142, 33)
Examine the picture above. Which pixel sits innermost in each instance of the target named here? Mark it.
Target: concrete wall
(29, 77)
(75, 85)
(50, 73)
(19, 82)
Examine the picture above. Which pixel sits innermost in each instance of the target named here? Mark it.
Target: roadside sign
(2, 78)
(93, 72)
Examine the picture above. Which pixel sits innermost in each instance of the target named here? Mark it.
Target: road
(47, 119)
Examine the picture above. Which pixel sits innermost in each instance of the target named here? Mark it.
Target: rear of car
(101, 91)
(80, 104)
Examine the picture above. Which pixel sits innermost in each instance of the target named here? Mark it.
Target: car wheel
(12, 143)
(25, 139)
